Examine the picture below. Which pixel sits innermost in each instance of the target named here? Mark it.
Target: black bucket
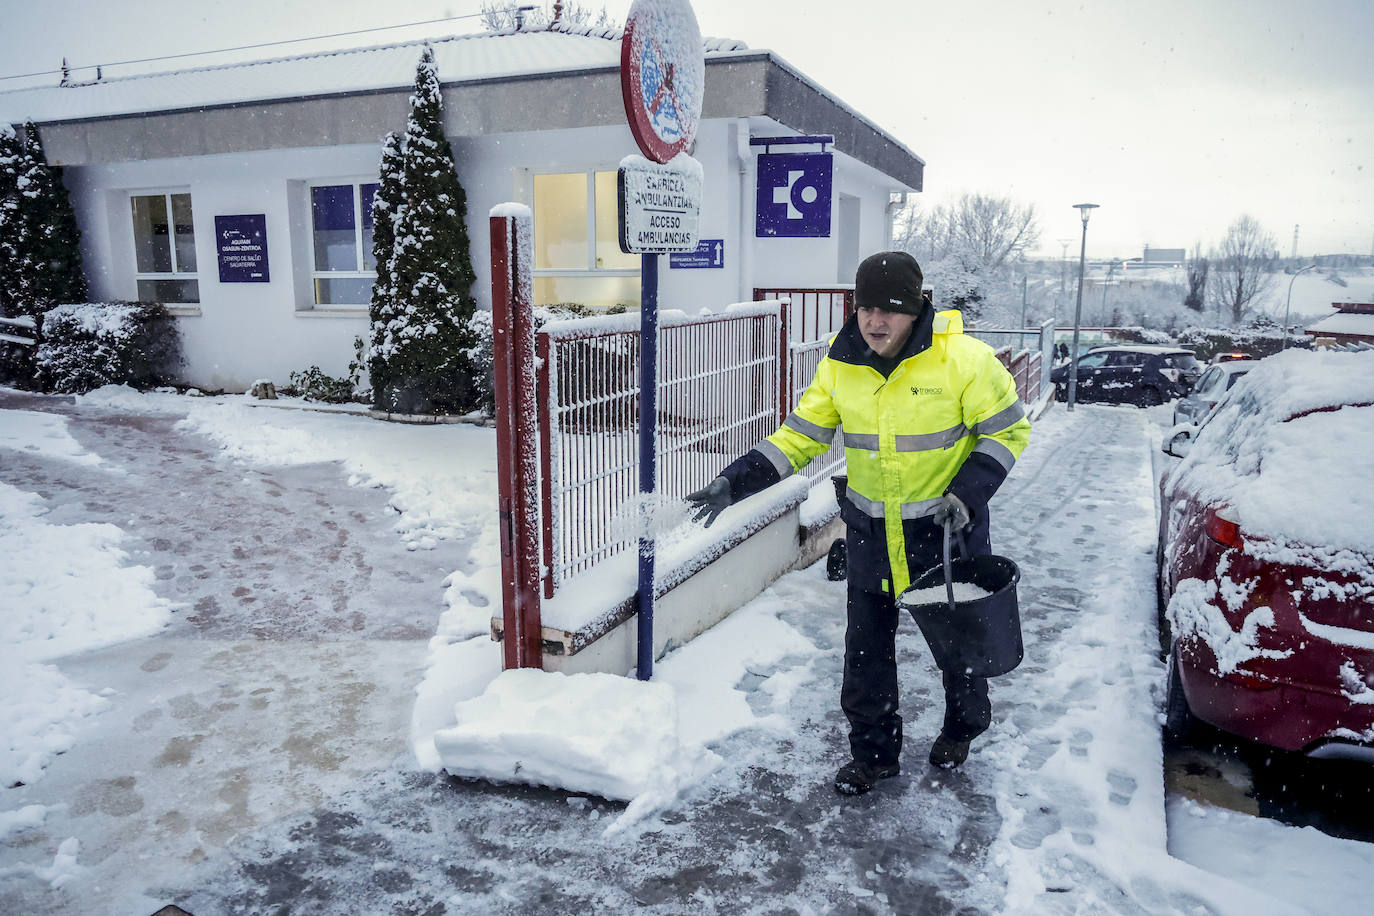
(980, 637)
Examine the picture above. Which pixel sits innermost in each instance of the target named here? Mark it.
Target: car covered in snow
(1137, 374)
(1210, 388)
(1266, 560)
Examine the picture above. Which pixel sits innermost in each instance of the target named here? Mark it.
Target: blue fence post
(648, 454)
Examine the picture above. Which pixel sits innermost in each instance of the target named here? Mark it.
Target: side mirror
(1178, 445)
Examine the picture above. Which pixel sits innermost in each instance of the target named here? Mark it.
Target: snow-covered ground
(1060, 808)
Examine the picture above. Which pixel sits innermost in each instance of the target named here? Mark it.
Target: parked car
(1143, 375)
(1227, 356)
(1210, 388)
(1266, 560)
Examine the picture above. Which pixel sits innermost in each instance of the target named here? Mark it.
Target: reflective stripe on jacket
(947, 418)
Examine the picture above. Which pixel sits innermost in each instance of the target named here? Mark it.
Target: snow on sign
(662, 76)
(660, 205)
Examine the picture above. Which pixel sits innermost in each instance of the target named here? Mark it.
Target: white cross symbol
(783, 194)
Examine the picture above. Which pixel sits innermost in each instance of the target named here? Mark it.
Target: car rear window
(1183, 361)
(1235, 376)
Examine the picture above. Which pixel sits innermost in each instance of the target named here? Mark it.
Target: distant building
(1163, 257)
(1352, 323)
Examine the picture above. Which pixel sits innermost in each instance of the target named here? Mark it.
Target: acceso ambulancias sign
(662, 76)
(660, 205)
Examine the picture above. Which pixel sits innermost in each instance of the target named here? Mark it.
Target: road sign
(662, 76)
(660, 206)
(709, 253)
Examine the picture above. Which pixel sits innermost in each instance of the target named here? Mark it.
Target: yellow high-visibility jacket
(946, 418)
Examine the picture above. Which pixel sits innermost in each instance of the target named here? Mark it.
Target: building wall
(241, 332)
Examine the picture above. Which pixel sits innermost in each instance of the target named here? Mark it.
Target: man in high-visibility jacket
(932, 424)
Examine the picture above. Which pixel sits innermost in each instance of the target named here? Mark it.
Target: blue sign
(241, 242)
(793, 198)
(709, 253)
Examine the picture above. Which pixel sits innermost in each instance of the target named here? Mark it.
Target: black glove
(711, 500)
(952, 512)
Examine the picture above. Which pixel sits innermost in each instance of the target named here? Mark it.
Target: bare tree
(968, 247)
(1197, 280)
(1240, 268)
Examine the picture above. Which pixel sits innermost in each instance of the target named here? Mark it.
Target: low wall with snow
(698, 583)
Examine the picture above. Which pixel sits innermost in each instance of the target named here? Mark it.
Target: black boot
(856, 778)
(947, 753)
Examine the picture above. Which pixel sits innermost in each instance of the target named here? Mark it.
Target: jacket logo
(918, 390)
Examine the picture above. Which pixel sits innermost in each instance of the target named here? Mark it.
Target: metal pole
(1077, 315)
(1288, 304)
(648, 454)
(1023, 303)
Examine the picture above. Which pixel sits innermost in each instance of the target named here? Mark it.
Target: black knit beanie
(889, 280)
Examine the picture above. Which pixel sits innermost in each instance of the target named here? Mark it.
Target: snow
(1060, 807)
(1272, 470)
(963, 591)
(1342, 323)
(511, 210)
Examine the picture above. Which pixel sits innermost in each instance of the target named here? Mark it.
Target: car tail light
(1222, 528)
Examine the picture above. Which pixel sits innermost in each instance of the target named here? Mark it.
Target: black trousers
(869, 695)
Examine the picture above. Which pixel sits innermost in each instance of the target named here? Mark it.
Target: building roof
(272, 98)
(1345, 323)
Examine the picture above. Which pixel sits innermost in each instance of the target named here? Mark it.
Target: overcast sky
(1176, 116)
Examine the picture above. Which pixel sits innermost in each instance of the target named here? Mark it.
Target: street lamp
(1284, 345)
(1085, 210)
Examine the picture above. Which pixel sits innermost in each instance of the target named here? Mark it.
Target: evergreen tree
(54, 254)
(385, 203)
(12, 230)
(424, 345)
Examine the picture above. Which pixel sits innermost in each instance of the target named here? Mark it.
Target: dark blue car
(1130, 374)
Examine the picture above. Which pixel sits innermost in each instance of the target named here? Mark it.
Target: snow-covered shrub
(87, 345)
(1260, 338)
(1142, 336)
(314, 384)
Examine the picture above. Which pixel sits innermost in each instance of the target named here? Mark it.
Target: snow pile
(599, 733)
(42, 434)
(620, 738)
(64, 589)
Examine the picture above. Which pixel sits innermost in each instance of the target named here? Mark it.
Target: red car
(1266, 560)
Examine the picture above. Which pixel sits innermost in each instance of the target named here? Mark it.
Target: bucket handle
(949, 574)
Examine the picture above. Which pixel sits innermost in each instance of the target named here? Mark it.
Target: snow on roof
(1361, 323)
(460, 58)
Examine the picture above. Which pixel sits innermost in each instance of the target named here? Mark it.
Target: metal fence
(814, 313)
(1028, 353)
(719, 393)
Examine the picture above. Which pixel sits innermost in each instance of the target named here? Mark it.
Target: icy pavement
(251, 762)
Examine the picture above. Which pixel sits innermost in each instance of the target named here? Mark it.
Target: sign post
(662, 78)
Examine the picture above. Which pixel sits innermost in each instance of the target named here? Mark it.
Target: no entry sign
(662, 76)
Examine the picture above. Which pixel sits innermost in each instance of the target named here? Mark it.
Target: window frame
(174, 274)
(361, 273)
(590, 270)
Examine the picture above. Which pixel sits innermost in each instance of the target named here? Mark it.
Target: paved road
(254, 764)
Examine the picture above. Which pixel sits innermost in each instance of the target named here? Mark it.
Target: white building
(239, 195)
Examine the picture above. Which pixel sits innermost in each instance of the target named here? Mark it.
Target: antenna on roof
(520, 12)
(557, 11)
(65, 71)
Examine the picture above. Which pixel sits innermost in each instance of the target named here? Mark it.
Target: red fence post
(512, 331)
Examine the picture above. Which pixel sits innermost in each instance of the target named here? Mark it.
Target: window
(1092, 361)
(341, 232)
(165, 248)
(577, 256)
(1125, 358)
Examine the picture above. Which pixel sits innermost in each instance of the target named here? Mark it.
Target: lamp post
(1085, 210)
(1288, 304)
